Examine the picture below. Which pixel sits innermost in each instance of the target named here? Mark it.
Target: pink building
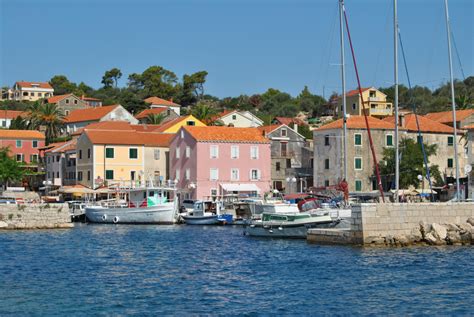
(214, 161)
(23, 144)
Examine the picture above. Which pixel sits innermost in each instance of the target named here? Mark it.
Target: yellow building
(174, 125)
(31, 91)
(125, 157)
(375, 102)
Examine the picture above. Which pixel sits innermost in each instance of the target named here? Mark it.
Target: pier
(35, 216)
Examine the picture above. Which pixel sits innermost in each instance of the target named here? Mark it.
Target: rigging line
(381, 47)
(374, 156)
(412, 101)
(457, 54)
(328, 50)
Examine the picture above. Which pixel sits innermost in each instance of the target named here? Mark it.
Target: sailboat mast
(395, 56)
(343, 78)
(453, 102)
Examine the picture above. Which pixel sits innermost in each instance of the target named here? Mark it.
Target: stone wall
(370, 221)
(35, 216)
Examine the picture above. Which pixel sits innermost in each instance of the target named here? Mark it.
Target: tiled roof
(269, 128)
(161, 102)
(58, 98)
(89, 114)
(145, 127)
(89, 99)
(145, 113)
(29, 84)
(62, 147)
(358, 122)
(426, 124)
(21, 134)
(288, 121)
(226, 134)
(469, 127)
(355, 92)
(447, 116)
(129, 138)
(109, 125)
(12, 114)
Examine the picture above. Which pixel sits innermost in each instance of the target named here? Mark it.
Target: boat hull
(278, 230)
(162, 214)
(201, 220)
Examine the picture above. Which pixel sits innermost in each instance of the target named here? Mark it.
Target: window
(288, 163)
(109, 174)
(234, 152)
(358, 185)
(177, 174)
(354, 106)
(19, 143)
(188, 151)
(19, 157)
(67, 100)
(49, 159)
(254, 174)
(156, 154)
(373, 106)
(450, 140)
(25, 93)
(88, 175)
(34, 144)
(234, 174)
(234, 117)
(326, 164)
(254, 152)
(190, 123)
(357, 139)
(326, 140)
(79, 176)
(283, 132)
(372, 93)
(283, 148)
(214, 192)
(389, 140)
(80, 154)
(214, 174)
(39, 94)
(176, 153)
(188, 174)
(214, 151)
(4, 123)
(75, 102)
(133, 153)
(450, 163)
(34, 158)
(109, 152)
(88, 153)
(311, 163)
(57, 158)
(326, 183)
(132, 175)
(358, 163)
(277, 166)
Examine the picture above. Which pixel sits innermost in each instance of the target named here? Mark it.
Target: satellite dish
(467, 168)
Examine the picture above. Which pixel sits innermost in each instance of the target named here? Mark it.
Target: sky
(246, 46)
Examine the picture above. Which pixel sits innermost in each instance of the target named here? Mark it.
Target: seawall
(34, 216)
(382, 223)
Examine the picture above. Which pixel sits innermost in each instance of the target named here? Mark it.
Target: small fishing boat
(143, 205)
(205, 213)
(290, 225)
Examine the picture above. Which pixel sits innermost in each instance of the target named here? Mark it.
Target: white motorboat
(205, 213)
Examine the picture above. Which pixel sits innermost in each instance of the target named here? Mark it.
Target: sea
(121, 270)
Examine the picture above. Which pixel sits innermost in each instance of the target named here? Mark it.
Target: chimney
(295, 127)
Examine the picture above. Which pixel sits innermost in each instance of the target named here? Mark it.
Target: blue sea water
(192, 270)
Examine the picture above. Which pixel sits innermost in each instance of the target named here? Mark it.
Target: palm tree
(155, 118)
(20, 123)
(48, 116)
(204, 112)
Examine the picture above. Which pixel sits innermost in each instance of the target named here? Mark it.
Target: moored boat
(205, 213)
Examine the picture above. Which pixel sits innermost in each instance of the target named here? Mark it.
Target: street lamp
(290, 180)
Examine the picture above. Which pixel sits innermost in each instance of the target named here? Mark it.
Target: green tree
(20, 123)
(192, 89)
(155, 118)
(111, 77)
(155, 81)
(10, 170)
(310, 103)
(49, 117)
(204, 112)
(62, 85)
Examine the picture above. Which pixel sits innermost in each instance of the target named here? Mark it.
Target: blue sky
(246, 46)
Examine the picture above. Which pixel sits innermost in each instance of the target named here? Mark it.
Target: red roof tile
(61, 147)
(12, 114)
(89, 99)
(129, 138)
(145, 127)
(168, 124)
(161, 102)
(226, 134)
(89, 114)
(145, 113)
(426, 124)
(358, 122)
(355, 92)
(30, 84)
(58, 98)
(447, 116)
(288, 121)
(269, 128)
(21, 134)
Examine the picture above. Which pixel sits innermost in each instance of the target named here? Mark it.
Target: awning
(240, 187)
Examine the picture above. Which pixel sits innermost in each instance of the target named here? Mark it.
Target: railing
(381, 111)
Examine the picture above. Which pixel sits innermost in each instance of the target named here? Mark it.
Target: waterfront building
(291, 159)
(23, 144)
(239, 119)
(60, 163)
(156, 102)
(174, 125)
(167, 113)
(121, 156)
(375, 102)
(67, 103)
(216, 161)
(463, 117)
(6, 117)
(83, 117)
(31, 91)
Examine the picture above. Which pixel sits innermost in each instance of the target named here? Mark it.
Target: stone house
(167, 113)
(463, 117)
(67, 103)
(374, 100)
(156, 102)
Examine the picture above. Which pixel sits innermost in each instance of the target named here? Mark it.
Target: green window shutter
(109, 153)
(133, 153)
(450, 141)
(389, 140)
(109, 174)
(450, 163)
(357, 139)
(358, 185)
(358, 163)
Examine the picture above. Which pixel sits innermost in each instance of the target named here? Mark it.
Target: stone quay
(35, 216)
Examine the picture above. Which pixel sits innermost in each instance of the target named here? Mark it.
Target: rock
(389, 240)
(453, 237)
(3, 224)
(466, 238)
(401, 240)
(416, 235)
(465, 227)
(424, 228)
(439, 231)
(431, 239)
(470, 221)
(414, 238)
(375, 240)
(451, 227)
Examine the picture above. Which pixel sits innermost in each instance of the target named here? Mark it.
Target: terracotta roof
(21, 134)
(355, 92)
(89, 99)
(269, 128)
(129, 138)
(89, 114)
(288, 121)
(426, 124)
(447, 116)
(62, 147)
(358, 122)
(109, 125)
(469, 127)
(29, 84)
(58, 98)
(226, 134)
(147, 112)
(145, 127)
(161, 102)
(12, 114)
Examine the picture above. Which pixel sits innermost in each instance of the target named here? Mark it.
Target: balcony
(381, 112)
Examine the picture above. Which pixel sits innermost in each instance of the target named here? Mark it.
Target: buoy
(104, 217)
(280, 228)
(116, 219)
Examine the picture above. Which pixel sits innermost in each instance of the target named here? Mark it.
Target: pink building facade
(23, 144)
(214, 161)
